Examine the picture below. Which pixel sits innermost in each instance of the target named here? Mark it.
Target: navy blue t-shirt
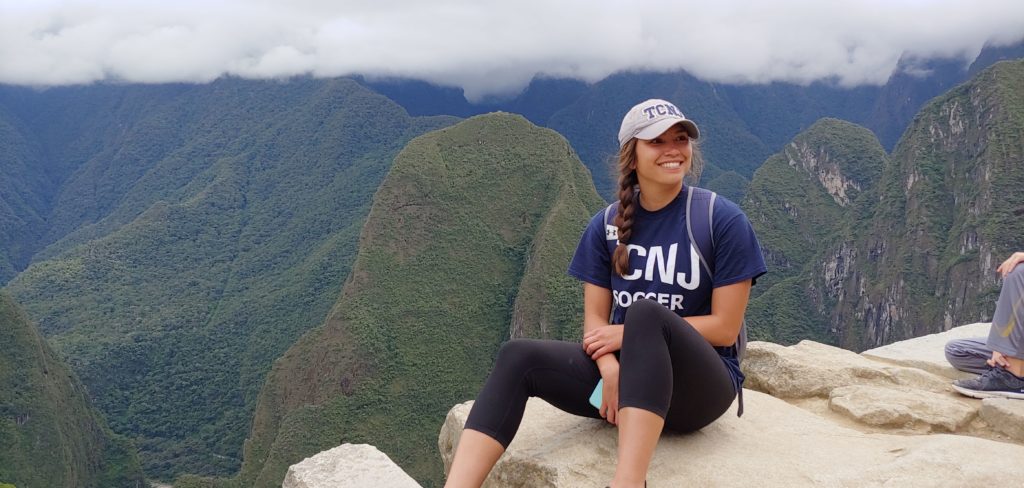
(664, 266)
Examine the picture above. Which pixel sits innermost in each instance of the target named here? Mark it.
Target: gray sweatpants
(1005, 336)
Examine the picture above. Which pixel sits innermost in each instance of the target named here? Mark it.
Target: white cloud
(488, 46)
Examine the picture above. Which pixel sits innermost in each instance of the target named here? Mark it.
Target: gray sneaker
(994, 383)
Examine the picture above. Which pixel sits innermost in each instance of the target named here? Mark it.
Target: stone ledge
(928, 352)
(773, 444)
(348, 465)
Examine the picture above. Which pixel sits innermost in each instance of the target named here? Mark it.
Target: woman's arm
(728, 305)
(598, 338)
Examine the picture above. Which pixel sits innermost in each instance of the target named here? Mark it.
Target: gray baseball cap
(649, 119)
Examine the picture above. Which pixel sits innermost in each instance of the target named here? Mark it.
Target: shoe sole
(988, 394)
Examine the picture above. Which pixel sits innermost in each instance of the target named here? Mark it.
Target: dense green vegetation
(198, 248)
(470, 234)
(914, 250)
(798, 219)
(946, 213)
(21, 203)
(50, 435)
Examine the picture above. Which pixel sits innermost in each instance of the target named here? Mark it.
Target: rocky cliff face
(802, 201)
(946, 213)
(865, 249)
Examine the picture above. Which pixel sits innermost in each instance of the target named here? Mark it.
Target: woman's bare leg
(474, 457)
(639, 431)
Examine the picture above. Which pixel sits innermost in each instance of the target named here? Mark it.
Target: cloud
(490, 47)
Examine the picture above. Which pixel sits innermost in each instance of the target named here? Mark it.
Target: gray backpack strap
(700, 230)
(705, 239)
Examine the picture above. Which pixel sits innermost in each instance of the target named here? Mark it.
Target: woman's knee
(644, 319)
(644, 311)
(517, 354)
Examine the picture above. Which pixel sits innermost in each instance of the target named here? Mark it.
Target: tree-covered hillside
(467, 243)
(200, 243)
(801, 201)
(915, 252)
(947, 212)
(50, 435)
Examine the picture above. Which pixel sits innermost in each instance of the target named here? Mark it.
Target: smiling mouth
(671, 164)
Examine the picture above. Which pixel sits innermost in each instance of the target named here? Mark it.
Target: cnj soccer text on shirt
(657, 264)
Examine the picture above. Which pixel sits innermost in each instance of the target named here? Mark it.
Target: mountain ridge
(397, 356)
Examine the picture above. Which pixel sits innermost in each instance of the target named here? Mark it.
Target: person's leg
(639, 431)
(474, 457)
(1007, 333)
(559, 372)
(969, 354)
(669, 376)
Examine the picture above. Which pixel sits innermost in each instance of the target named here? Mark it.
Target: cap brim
(658, 128)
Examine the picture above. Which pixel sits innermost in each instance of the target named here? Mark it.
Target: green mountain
(196, 242)
(914, 252)
(467, 243)
(801, 201)
(50, 435)
(22, 210)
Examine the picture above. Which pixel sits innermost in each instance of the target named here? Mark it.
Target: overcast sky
(489, 47)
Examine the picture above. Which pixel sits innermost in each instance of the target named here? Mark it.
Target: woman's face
(664, 160)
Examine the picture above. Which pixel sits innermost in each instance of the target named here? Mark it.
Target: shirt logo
(611, 232)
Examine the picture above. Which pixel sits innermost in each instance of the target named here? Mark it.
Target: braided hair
(627, 205)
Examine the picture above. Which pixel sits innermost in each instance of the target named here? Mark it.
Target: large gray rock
(1005, 415)
(910, 409)
(773, 444)
(348, 465)
(928, 352)
(810, 369)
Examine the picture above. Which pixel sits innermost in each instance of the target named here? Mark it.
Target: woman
(659, 370)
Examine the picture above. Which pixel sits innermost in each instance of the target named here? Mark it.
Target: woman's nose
(674, 147)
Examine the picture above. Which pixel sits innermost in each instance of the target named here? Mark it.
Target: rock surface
(1005, 415)
(906, 409)
(815, 415)
(348, 465)
(926, 352)
(810, 369)
(773, 444)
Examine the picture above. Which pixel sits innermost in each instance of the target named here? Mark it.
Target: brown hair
(627, 198)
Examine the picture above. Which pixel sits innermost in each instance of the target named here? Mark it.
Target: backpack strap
(700, 213)
(607, 212)
(700, 209)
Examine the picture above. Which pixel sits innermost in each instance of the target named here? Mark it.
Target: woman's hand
(610, 393)
(602, 340)
(1010, 263)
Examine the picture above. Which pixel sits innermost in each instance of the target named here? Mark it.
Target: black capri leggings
(666, 367)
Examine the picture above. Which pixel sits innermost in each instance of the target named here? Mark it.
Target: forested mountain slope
(913, 246)
(467, 243)
(199, 243)
(800, 202)
(50, 435)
